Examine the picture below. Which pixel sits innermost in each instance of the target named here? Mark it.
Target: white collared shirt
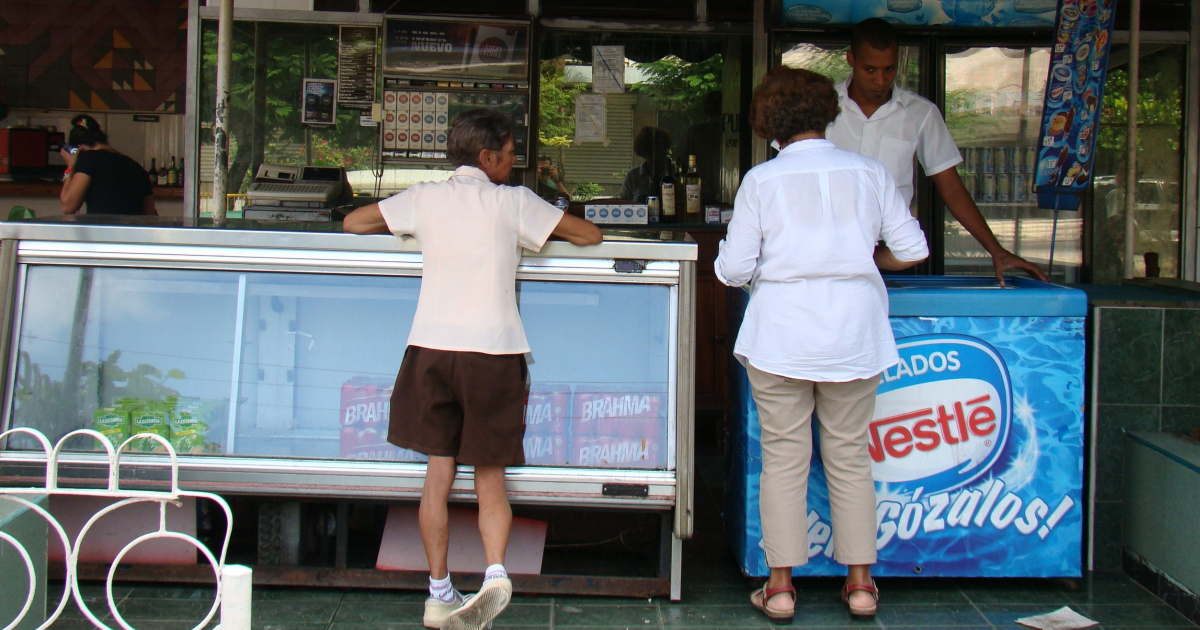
(471, 233)
(803, 234)
(906, 125)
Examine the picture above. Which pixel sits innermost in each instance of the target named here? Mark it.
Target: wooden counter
(52, 189)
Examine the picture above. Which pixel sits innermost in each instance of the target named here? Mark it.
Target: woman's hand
(68, 157)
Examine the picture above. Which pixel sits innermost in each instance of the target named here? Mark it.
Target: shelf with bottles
(165, 176)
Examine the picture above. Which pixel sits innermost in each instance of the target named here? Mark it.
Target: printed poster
(1074, 93)
(608, 69)
(457, 49)
(319, 102)
(591, 118)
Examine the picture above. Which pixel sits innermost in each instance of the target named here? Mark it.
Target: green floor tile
(1016, 592)
(379, 612)
(524, 615)
(165, 609)
(740, 616)
(915, 615)
(1006, 615)
(1139, 615)
(1111, 590)
(592, 615)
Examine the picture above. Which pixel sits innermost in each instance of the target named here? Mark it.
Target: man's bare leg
(434, 513)
(495, 514)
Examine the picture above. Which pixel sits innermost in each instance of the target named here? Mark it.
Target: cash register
(296, 193)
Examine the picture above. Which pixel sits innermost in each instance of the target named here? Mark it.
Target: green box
(150, 418)
(113, 422)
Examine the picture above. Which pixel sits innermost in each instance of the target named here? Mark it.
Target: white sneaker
(436, 610)
(478, 610)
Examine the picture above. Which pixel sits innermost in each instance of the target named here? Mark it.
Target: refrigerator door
(993, 106)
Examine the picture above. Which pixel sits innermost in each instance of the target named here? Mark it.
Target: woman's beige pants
(844, 410)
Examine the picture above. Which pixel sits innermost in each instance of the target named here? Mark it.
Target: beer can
(989, 187)
(1003, 187)
(562, 202)
(653, 209)
(1019, 192)
(547, 422)
(1000, 160)
(1031, 154)
(968, 156)
(985, 160)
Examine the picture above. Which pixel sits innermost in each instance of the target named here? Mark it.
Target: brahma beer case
(976, 443)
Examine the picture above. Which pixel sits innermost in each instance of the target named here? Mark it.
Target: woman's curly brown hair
(791, 101)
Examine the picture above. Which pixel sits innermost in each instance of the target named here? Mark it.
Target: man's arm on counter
(576, 231)
(366, 220)
(958, 201)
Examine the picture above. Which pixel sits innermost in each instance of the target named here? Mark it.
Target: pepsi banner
(993, 13)
(976, 448)
(1074, 94)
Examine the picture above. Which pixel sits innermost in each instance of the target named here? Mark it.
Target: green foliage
(283, 69)
(586, 191)
(556, 104)
(678, 86)
(58, 407)
(1160, 103)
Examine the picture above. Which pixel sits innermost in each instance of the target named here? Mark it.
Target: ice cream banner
(995, 13)
(1074, 93)
(976, 448)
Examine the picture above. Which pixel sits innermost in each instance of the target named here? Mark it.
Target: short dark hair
(651, 142)
(475, 130)
(543, 158)
(85, 131)
(877, 32)
(791, 101)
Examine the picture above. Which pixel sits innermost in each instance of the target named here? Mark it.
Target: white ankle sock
(494, 571)
(441, 589)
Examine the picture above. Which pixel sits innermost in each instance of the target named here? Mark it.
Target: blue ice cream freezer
(976, 442)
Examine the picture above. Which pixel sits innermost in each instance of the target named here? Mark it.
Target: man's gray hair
(475, 130)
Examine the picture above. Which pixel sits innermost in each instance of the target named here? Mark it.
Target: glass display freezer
(266, 354)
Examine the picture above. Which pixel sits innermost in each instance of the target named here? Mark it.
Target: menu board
(1074, 92)
(458, 49)
(417, 115)
(994, 13)
(357, 63)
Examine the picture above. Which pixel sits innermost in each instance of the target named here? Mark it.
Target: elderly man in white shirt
(805, 236)
(460, 394)
(891, 124)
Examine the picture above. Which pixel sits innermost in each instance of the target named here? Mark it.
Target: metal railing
(233, 581)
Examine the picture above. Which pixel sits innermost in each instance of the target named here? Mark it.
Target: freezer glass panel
(310, 360)
(993, 109)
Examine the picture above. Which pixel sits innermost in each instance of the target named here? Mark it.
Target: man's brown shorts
(465, 405)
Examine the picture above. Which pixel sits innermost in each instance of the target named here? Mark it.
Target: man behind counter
(891, 124)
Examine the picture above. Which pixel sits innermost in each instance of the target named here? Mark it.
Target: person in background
(100, 176)
(891, 124)
(549, 180)
(652, 145)
(460, 393)
(804, 236)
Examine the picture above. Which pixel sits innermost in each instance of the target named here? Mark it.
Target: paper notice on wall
(591, 118)
(608, 69)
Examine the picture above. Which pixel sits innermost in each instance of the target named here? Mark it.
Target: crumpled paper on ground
(1062, 619)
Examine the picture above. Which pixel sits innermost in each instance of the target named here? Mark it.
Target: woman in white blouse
(806, 236)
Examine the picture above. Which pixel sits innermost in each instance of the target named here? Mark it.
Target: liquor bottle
(691, 183)
(152, 173)
(162, 174)
(172, 174)
(667, 187)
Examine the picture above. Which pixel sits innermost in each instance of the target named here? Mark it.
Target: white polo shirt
(471, 233)
(803, 235)
(906, 125)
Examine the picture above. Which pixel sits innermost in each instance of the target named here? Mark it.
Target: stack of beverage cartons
(998, 174)
(184, 422)
(366, 409)
(605, 426)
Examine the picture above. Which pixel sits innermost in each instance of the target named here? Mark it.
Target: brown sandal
(762, 596)
(870, 589)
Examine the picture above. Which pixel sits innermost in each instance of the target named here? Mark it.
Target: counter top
(618, 244)
(52, 189)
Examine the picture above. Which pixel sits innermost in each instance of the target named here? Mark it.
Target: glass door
(993, 107)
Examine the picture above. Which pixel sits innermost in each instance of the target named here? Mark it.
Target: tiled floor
(715, 596)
